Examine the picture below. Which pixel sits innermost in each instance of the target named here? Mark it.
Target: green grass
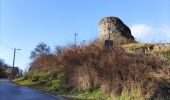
(24, 82)
(94, 94)
(134, 94)
(50, 83)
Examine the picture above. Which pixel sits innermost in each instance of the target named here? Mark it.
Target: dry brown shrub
(92, 65)
(44, 62)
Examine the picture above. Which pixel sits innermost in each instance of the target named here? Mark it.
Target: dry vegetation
(114, 71)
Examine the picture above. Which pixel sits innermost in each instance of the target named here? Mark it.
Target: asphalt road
(10, 91)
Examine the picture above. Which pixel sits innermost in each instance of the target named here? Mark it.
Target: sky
(25, 23)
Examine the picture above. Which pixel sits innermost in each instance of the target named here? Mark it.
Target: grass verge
(52, 87)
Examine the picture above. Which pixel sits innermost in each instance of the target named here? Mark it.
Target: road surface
(10, 91)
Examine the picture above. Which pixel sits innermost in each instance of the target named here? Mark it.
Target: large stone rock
(114, 26)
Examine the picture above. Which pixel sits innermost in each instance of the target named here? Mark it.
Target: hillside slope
(94, 70)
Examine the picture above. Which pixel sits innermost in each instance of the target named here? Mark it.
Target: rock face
(114, 26)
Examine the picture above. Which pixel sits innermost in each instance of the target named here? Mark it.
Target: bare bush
(113, 70)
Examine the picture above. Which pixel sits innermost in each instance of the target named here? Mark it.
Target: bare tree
(41, 49)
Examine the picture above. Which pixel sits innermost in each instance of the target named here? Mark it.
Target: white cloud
(139, 30)
(148, 33)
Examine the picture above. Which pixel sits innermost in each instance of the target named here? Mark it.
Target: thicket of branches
(113, 70)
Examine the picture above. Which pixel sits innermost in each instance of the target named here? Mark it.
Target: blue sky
(25, 23)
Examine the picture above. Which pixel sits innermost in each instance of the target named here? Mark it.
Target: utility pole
(13, 71)
(75, 39)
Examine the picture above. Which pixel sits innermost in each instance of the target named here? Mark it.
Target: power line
(11, 48)
(21, 55)
(4, 45)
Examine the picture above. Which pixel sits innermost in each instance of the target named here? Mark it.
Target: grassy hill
(93, 72)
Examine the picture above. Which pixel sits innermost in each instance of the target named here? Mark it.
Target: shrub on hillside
(113, 70)
(44, 62)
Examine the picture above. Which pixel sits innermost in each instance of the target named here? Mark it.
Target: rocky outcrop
(114, 26)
